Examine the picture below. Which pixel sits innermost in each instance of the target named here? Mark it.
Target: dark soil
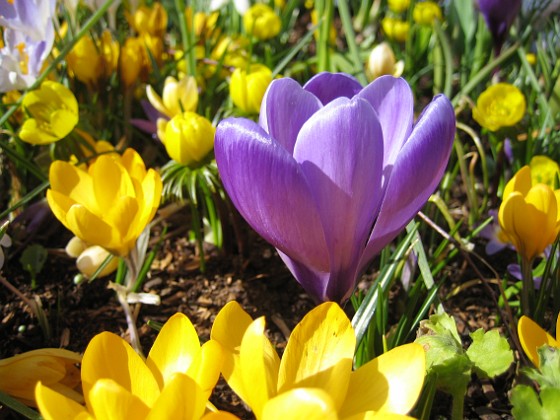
(256, 278)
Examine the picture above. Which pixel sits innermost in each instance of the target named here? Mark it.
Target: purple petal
(340, 150)
(314, 282)
(268, 188)
(144, 125)
(416, 173)
(152, 113)
(285, 108)
(392, 99)
(329, 86)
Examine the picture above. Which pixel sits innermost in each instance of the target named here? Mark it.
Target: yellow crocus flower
(314, 377)
(529, 214)
(532, 337)
(178, 96)
(261, 21)
(501, 105)
(55, 368)
(247, 88)
(151, 20)
(53, 111)
(85, 61)
(175, 380)
(189, 137)
(131, 60)
(110, 203)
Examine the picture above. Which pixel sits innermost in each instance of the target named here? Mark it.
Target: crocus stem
(131, 321)
(458, 405)
(528, 288)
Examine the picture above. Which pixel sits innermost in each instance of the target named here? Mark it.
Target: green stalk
(324, 10)
(528, 288)
(359, 70)
(447, 58)
(67, 48)
(484, 73)
(186, 37)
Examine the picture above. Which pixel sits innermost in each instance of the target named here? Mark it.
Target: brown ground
(258, 281)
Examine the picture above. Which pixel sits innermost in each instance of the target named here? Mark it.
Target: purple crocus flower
(499, 15)
(28, 37)
(333, 172)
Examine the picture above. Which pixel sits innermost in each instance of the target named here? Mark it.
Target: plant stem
(458, 405)
(528, 288)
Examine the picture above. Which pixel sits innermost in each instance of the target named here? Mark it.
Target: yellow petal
(532, 336)
(90, 228)
(181, 399)
(32, 134)
(176, 345)
(63, 122)
(110, 400)
(133, 164)
(228, 330)
(109, 356)
(55, 406)
(110, 181)
(301, 404)
(558, 330)
(380, 384)
(319, 353)
(220, 415)
(74, 183)
(206, 367)
(156, 102)
(259, 363)
(520, 182)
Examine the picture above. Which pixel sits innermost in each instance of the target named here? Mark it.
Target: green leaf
(490, 353)
(445, 357)
(527, 405)
(549, 372)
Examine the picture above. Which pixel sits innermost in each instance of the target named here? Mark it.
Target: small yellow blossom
(501, 105)
(53, 110)
(247, 88)
(426, 12)
(529, 214)
(398, 6)
(130, 61)
(544, 171)
(189, 138)
(395, 28)
(261, 21)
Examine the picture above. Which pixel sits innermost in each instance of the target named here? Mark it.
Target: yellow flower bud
(382, 61)
(531, 58)
(529, 214)
(426, 12)
(501, 105)
(395, 28)
(189, 138)
(90, 258)
(247, 89)
(110, 52)
(261, 21)
(398, 6)
(53, 110)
